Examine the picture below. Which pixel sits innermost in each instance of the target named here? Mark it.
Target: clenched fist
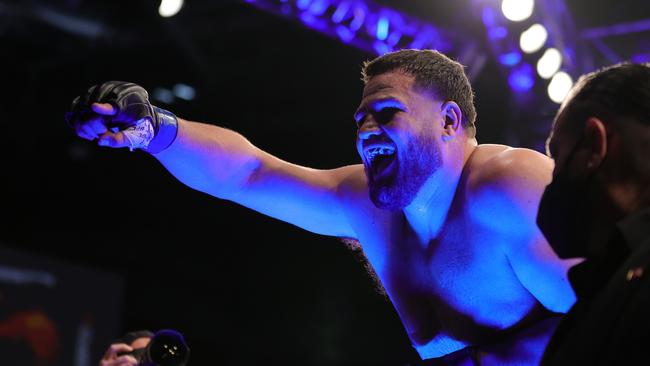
(119, 114)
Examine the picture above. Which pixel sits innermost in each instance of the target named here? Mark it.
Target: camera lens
(168, 348)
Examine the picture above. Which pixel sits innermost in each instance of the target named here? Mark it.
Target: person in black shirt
(598, 207)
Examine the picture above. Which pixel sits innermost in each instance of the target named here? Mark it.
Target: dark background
(244, 289)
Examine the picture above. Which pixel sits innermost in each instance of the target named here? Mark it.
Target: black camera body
(166, 348)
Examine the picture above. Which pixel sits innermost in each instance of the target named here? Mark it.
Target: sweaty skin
(448, 225)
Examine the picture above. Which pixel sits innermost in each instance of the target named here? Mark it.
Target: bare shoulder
(506, 182)
(352, 179)
(352, 190)
(504, 166)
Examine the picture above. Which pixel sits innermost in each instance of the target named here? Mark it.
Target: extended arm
(224, 164)
(216, 160)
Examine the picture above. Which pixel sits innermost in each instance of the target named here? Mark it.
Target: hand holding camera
(166, 347)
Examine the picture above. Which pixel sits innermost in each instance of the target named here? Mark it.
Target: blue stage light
(319, 7)
(522, 78)
(394, 38)
(489, 17)
(510, 58)
(382, 28)
(373, 27)
(641, 58)
(382, 48)
(344, 34)
(302, 4)
(497, 33)
(340, 12)
(359, 16)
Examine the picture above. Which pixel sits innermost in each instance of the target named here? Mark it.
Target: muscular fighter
(448, 225)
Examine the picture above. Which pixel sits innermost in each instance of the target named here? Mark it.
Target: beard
(395, 187)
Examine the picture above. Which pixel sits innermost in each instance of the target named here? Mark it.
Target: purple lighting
(510, 58)
(489, 17)
(617, 29)
(643, 57)
(521, 78)
(394, 38)
(498, 32)
(382, 48)
(344, 34)
(340, 12)
(318, 7)
(302, 4)
(359, 16)
(375, 28)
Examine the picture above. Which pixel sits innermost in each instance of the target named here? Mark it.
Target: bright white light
(533, 38)
(517, 10)
(169, 8)
(549, 63)
(559, 86)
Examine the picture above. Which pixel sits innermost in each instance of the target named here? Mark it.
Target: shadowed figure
(598, 207)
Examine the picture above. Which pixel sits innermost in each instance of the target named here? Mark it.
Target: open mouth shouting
(379, 158)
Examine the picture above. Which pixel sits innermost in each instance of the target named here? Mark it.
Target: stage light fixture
(382, 29)
(169, 8)
(517, 10)
(559, 86)
(549, 63)
(533, 38)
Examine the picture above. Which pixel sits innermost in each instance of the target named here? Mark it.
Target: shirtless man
(447, 225)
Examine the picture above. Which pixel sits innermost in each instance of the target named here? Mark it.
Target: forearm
(210, 159)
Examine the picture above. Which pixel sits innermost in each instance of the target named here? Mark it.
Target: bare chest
(449, 265)
(457, 286)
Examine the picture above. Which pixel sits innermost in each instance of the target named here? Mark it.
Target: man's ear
(452, 116)
(596, 139)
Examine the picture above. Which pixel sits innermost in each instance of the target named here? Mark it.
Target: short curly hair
(434, 72)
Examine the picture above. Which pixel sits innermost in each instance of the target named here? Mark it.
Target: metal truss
(377, 29)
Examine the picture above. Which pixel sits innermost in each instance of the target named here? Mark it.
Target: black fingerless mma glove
(131, 102)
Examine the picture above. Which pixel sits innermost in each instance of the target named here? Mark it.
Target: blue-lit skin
(490, 217)
(461, 259)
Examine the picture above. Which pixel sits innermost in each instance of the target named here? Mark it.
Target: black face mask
(560, 213)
